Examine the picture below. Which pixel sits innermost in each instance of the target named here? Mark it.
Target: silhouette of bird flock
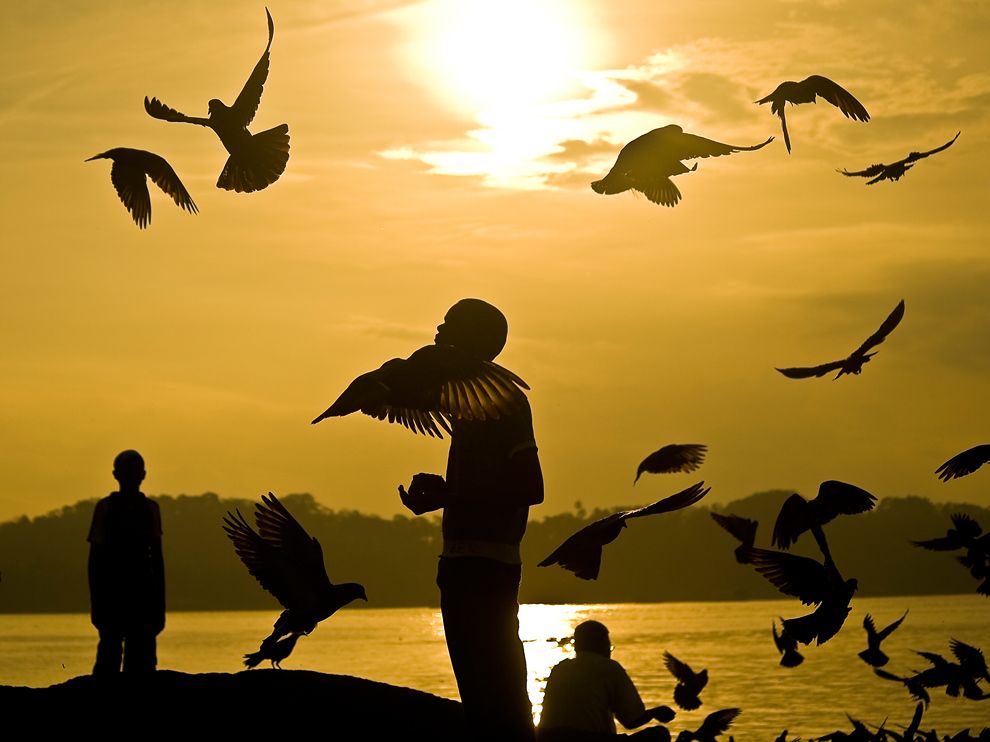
(438, 384)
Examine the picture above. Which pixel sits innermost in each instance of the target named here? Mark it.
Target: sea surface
(405, 646)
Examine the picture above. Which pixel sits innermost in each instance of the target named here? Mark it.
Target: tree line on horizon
(682, 557)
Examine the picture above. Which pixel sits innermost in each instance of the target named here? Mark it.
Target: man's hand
(427, 492)
(663, 714)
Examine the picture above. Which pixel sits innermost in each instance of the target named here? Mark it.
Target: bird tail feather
(253, 659)
(259, 164)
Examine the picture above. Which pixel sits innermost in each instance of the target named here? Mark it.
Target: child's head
(474, 326)
(128, 469)
(592, 636)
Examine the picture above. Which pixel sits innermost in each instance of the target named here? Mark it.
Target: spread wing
(840, 498)
(691, 146)
(682, 499)
(157, 109)
(893, 319)
(914, 156)
(889, 629)
(793, 519)
(964, 463)
(132, 188)
(870, 172)
(970, 658)
(800, 372)
(794, 575)
(246, 105)
(716, 723)
(741, 528)
(581, 553)
(676, 457)
(837, 96)
(165, 178)
(281, 556)
(435, 384)
(680, 670)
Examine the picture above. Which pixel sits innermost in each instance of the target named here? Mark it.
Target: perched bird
(807, 91)
(896, 170)
(964, 463)
(581, 553)
(689, 683)
(787, 646)
(853, 364)
(872, 655)
(714, 724)
(129, 174)
(435, 384)
(288, 563)
(798, 515)
(256, 160)
(647, 163)
(273, 651)
(812, 583)
(742, 529)
(677, 457)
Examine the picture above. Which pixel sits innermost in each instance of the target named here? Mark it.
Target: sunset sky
(444, 149)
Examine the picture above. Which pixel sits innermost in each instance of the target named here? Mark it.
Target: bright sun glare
(509, 65)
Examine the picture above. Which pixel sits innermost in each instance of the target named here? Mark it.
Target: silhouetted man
(126, 572)
(584, 692)
(493, 476)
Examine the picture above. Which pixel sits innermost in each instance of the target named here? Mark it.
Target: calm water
(404, 646)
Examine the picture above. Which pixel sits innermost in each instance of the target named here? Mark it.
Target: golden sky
(444, 149)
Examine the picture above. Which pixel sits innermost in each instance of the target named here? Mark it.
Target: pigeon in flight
(715, 724)
(812, 583)
(581, 553)
(787, 646)
(854, 363)
(689, 683)
(897, 170)
(434, 385)
(647, 163)
(807, 91)
(963, 675)
(798, 515)
(873, 655)
(968, 535)
(677, 457)
(742, 529)
(288, 563)
(256, 160)
(129, 175)
(964, 463)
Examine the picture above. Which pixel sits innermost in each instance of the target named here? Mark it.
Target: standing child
(127, 573)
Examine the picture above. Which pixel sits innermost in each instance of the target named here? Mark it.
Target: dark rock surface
(246, 703)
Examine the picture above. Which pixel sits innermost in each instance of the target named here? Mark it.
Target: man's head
(592, 636)
(475, 327)
(128, 469)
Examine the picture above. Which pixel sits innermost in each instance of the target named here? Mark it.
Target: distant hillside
(676, 557)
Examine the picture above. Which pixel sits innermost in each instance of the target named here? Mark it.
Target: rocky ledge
(250, 703)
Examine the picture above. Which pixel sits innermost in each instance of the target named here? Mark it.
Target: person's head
(128, 469)
(592, 636)
(475, 327)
